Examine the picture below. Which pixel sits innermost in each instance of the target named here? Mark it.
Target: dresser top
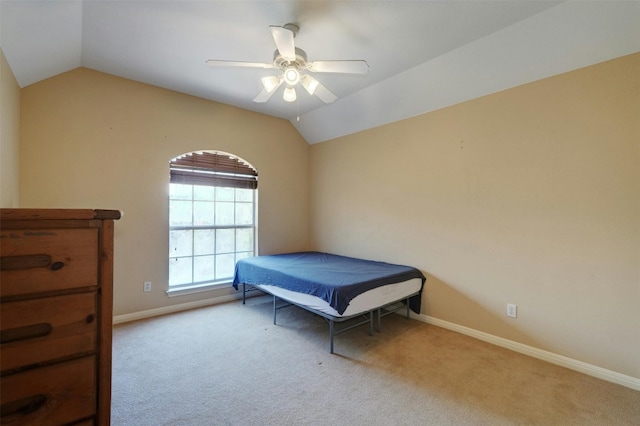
(57, 214)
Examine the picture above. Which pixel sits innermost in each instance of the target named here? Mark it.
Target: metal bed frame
(367, 317)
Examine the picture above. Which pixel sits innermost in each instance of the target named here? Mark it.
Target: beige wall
(528, 196)
(90, 140)
(9, 135)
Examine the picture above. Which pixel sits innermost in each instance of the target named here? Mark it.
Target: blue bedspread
(335, 279)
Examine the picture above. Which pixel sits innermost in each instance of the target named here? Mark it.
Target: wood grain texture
(56, 290)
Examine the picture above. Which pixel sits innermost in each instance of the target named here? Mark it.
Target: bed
(341, 289)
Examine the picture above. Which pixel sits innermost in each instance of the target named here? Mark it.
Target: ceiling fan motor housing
(299, 63)
(291, 69)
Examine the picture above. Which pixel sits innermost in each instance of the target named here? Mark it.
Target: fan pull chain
(298, 109)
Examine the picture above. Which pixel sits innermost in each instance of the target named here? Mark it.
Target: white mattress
(364, 302)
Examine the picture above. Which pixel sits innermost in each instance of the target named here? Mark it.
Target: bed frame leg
(244, 293)
(331, 332)
(408, 308)
(371, 323)
(274, 310)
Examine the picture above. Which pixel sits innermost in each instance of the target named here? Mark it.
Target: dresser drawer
(53, 395)
(38, 260)
(37, 330)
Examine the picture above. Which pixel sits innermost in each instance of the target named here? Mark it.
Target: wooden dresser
(56, 295)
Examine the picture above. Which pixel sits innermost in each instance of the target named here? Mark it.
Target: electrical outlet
(512, 310)
(147, 286)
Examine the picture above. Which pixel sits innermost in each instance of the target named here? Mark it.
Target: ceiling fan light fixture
(289, 94)
(291, 76)
(270, 83)
(309, 83)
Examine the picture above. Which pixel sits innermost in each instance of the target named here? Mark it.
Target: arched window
(212, 219)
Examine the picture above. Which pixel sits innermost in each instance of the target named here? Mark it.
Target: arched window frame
(212, 206)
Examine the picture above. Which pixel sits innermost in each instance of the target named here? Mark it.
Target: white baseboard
(119, 319)
(582, 367)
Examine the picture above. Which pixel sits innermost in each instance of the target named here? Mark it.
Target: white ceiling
(423, 55)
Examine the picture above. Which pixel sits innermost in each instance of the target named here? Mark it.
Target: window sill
(197, 289)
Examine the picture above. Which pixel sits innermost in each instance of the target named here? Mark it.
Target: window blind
(212, 169)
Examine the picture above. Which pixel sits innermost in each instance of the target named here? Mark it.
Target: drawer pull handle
(57, 266)
(90, 318)
(23, 406)
(24, 333)
(25, 262)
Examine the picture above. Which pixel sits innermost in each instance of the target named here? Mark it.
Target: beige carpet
(229, 365)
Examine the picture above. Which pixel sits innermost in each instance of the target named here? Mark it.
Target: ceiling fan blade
(314, 87)
(221, 63)
(264, 95)
(324, 94)
(343, 67)
(283, 38)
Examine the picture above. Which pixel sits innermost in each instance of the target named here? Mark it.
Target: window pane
(224, 213)
(180, 213)
(180, 243)
(203, 192)
(225, 266)
(244, 214)
(244, 194)
(243, 255)
(203, 213)
(204, 241)
(178, 191)
(244, 239)
(203, 268)
(225, 241)
(180, 271)
(224, 194)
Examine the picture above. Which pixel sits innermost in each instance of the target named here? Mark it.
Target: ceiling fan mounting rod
(293, 28)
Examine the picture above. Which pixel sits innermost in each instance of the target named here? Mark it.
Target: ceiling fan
(293, 64)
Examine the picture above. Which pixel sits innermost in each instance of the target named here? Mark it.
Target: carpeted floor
(229, 365)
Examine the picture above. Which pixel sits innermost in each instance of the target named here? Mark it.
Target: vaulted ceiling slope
(422, 55)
